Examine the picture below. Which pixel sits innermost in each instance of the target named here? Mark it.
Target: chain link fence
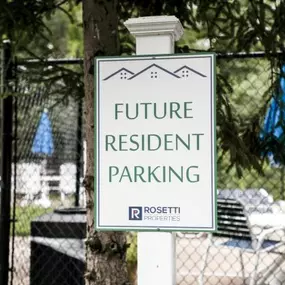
(248, 247)
(48, 203)
(47, 175)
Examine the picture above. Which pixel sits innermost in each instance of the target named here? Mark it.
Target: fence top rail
(256, 54)
(56, 61)
(50, 61)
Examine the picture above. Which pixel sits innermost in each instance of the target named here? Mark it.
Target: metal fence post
(6, 164)
(78, 152)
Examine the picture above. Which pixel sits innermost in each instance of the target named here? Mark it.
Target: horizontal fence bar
(257, 54)
(56, 61)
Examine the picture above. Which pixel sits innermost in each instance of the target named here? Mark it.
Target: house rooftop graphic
(134, 75)
(118, 71)
(153, 65)
(190, 69)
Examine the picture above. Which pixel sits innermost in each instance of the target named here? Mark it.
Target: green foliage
(272, 180)
(243, 25)
(53, 28)
(132, 250)
(41, 29)
(132, 257)
(24, 216)
(75, 34)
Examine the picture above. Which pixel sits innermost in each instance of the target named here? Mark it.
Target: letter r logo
(135, 213)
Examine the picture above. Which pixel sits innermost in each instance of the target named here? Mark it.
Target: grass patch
(24, 216)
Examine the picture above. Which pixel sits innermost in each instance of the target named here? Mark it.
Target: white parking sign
(155, 145)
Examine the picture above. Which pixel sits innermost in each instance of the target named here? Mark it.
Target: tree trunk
(105, 251)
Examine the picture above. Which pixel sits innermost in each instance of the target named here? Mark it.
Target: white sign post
(156, 251)
(155, 144)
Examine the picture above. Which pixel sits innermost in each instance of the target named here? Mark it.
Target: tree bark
(105, 251)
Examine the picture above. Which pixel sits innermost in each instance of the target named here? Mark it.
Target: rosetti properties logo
(160, 213)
